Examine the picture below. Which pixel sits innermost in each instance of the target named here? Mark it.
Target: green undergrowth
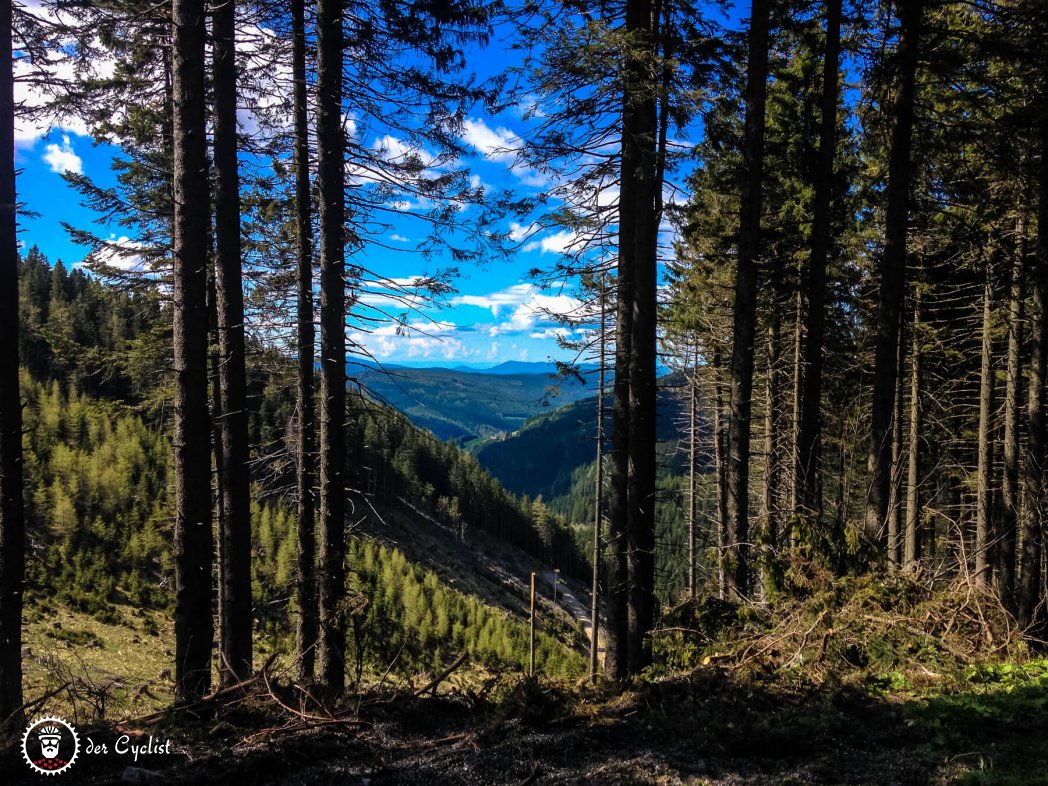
(956, 684)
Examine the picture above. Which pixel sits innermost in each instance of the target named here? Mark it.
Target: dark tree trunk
(235, 532)
(598, 491)
(621, 654)
(745, 317)
(795, 415)
(984, 499)
(912, 527)
(720, 451)
(693, 471)
(809, 481)
(12, 511)
(1029, 586)
(892, 273)
(615, 657)
(641, 131)
(895, 507)
(772, 438)
(215, 401)
(306, 624)
(1012, 394)
(330, 184)
(194, 624)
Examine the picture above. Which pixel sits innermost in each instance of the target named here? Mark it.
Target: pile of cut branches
(849, 629)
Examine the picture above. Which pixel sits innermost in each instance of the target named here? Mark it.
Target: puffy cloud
(548, 333)
(529, 308)
(399, 238)
(501, 144)
(496, 301)
(558, 243)
(121, 253)
(518, 232)
(62, 158)
(410, 347)
(497, 144)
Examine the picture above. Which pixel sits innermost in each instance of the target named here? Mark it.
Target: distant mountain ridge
(498, 369)
(463, 405)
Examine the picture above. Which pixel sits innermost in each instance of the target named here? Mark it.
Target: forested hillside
(787, 490)
(462, 405)
(98, 490)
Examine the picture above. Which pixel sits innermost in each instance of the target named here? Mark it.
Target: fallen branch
(215, 698)
(316, 724)
(433, 683)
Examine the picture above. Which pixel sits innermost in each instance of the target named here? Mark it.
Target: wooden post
(531, 648)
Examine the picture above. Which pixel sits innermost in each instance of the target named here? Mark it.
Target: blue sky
(494, 315)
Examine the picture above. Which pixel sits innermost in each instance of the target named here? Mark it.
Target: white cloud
(552, 332)
(496, 301)
(410, 347)
(531, 308)
(557, 243)
(120, 253)
(518, 232)
(62, 158)
(400, 238)
(419, 329)
(497, 144)
(501, 144)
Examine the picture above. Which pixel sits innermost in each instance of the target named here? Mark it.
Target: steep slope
(98, 496)
(543, 457)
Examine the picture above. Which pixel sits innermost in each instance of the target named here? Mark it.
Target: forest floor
(851, 681)
(710, 726)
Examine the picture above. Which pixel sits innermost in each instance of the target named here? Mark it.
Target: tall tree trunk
(745, 316)
(797, 396)
(892, 272)
(194, 625)
(895, 507)
(306, 623)
(720, 452)
(640, 135)
(598, 491)
(215, 402)
(809, 481)
(1013, 391)
(1029, 585)
(235, 532)
(615, 650)
(984, 501)
(330, 185)
(12, 511)
(693, 471)
(772, 433)
(912, 532)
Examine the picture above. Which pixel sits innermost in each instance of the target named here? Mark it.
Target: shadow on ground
(709, 727)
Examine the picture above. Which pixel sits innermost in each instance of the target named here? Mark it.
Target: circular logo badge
(50, 745)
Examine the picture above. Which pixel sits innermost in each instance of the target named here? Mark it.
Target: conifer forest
(524, 392)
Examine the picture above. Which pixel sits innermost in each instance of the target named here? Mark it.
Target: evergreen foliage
(98, 473)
